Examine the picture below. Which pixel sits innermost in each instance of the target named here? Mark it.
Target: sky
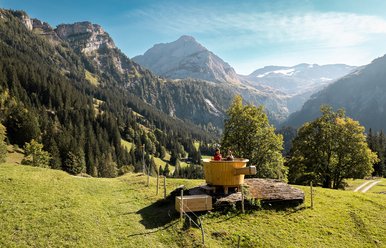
(246, 34)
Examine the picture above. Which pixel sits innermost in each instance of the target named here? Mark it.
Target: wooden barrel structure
(223, 172)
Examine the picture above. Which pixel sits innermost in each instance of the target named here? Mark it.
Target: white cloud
(250, 39)
(327, 29)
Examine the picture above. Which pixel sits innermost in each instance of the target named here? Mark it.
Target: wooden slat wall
(194, 203)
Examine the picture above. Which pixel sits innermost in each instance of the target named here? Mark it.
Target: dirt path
(369, 187)
(363, 187)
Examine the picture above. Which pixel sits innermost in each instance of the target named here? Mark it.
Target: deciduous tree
(35, 155)
(249, 135)
(329, 149)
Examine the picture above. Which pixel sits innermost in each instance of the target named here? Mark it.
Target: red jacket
(217, 157)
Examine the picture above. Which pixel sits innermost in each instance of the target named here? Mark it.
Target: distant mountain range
(185, 58)
(298, 82)
(285, 88)
(300, 78)
(200, 101)
(192, 83)
(361, 94)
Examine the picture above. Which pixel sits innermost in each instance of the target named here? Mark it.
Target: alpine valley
(74, 78)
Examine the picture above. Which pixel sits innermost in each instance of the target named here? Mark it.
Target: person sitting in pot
(230, 155)
(217, 155)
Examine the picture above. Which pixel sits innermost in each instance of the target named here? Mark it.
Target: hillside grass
(126, 144)
(91, 78)
(48, 208)
(14, 155)
(159, 162)
(379, 188)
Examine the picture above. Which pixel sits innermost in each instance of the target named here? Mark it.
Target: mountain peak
(187, 58)
(187, 38)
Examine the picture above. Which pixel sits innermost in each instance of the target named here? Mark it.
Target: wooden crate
(193, 203)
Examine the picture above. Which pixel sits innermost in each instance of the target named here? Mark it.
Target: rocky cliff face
(85, 36)
(43, 28)
(27, 21)
(186, 58)
(96, 44)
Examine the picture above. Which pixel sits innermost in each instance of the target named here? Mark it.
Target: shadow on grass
(159, 214)
(283, 206)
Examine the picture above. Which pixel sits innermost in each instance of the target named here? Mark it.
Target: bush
(35, 155)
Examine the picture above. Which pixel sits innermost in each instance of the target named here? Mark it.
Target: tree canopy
(329, 149)
(35, 155)
(248, 134)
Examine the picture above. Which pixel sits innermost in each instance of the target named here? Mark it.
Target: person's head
(217, 151)
(229, 151)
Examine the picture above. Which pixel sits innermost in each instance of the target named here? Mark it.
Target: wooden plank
(250, 170)
(192, 203)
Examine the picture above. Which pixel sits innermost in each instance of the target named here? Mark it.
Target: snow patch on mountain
(212, 107)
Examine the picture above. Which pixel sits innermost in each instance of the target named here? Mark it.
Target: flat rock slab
(266, 190)
(272, 190)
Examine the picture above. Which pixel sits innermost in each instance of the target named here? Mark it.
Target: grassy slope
(380, 187)
(43, 208)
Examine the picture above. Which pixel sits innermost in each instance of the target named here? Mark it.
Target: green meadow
(49, 208)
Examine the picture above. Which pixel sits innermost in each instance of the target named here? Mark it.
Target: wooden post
(143, 159)
(182, 205)
(164, 187)
(157, 183)
(312, 196)
(202, 232)
(238, 242)
(242, 200)
(148, 179)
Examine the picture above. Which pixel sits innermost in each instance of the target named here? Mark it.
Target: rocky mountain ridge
(300, 78)
(360, 93)
(297, 82)
(186, 58)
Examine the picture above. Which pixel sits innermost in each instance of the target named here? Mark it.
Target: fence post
(157, 183)
(242, 199)
(202, 232)
(148, 178)
(182, 205)
(312, 196)
(164, 187)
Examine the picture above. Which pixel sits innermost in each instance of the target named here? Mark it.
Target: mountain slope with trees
(47, 95)
(360, 93)
(186, 58)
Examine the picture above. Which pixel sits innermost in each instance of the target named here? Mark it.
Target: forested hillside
(49, 93)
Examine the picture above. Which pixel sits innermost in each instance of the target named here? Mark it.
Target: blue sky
(246, 34)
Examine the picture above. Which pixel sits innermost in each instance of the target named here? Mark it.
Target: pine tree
(166, 171)
(74, 163)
